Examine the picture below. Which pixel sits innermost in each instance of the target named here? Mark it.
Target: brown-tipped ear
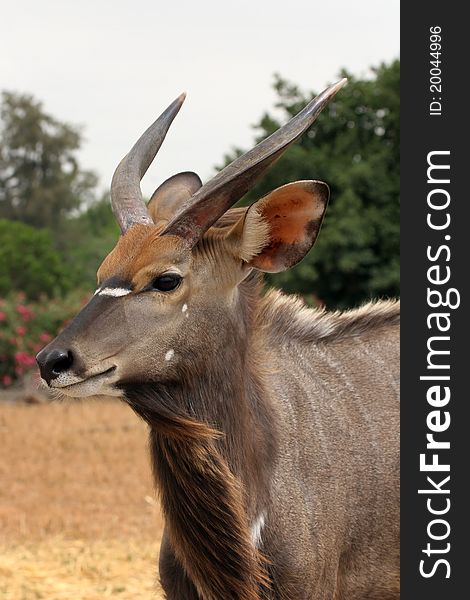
(280, 229)
(171, 194)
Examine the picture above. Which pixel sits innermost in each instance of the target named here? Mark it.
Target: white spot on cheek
(115, 292)
(169, 355)
(256, 529)
(185, 308)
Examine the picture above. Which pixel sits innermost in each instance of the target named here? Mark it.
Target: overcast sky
(112, 67)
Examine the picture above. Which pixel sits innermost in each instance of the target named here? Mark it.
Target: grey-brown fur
(319, 393)
(334, 516)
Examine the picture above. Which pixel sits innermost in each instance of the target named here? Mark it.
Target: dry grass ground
(78, 518)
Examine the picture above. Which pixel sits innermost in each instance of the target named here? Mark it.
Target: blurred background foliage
(354, 147)
(55, 228)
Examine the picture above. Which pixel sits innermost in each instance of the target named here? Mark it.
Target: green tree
(86, 239)
(40, 178)
(354, 147)
(29, 263)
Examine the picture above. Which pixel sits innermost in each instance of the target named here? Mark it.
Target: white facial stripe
(256, 529)
(169, 355)
(114, 292)
(185, 308)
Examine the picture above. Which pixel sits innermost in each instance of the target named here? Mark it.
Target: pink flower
(20, 330)
(45, 337)
(24, 359)
(7, 380)
(25, 312)
(3, 316)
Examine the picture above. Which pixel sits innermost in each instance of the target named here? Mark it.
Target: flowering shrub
(26, 327)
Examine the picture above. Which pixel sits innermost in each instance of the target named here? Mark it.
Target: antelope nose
(53, 362)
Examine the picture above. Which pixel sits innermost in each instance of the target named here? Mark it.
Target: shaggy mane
(289, 315)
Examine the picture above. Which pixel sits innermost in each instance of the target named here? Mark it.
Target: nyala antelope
(273, 427)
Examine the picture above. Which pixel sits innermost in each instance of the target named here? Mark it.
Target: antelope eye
(167, 282)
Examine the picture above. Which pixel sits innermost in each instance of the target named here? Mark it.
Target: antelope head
(167, 293)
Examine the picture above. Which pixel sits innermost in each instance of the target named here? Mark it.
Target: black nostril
(54, 362)
(62, 363)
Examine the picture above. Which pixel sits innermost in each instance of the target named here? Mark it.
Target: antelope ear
(280, 229)
(171, 194)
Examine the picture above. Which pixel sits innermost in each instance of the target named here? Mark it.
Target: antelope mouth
(102, 374)
(96, 384)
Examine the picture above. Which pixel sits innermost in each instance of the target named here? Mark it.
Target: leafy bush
(26, 327)
(86, 239)
(29, 262)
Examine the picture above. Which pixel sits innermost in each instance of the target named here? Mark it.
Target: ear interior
(171, 194)
(251, 234)
(281, 228)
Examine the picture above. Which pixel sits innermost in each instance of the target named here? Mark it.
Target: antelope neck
(213, 488)
(225, 395)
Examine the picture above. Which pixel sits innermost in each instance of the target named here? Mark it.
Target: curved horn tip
(334, 88)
